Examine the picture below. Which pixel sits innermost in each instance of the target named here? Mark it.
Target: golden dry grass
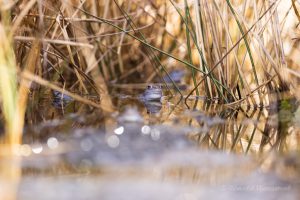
(236, 51)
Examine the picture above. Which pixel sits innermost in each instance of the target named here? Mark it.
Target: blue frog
(152, 93)
(61, 100)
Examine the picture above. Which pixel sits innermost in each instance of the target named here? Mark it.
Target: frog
(175, 76)
(61, 100)
(152, 93)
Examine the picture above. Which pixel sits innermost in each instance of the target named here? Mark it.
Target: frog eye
(149, 86)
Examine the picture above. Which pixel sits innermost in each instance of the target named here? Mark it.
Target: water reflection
(243, 130)
(131, 114)
(239, 129)
(166, 145)
(153, 107)
(52, 143)
(212, 126)
(236, 129)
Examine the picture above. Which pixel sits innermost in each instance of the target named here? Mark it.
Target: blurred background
(149, 97)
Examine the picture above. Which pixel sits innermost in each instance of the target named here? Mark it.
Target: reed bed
(233, 51)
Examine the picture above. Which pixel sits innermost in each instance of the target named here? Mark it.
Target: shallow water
(161, 150)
